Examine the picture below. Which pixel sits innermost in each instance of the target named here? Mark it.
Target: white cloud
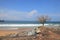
(9, 14)
(3, 15)
(20, 15)
(16, 15)
(31, 13)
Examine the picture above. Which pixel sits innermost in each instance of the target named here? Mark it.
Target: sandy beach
(6, 32)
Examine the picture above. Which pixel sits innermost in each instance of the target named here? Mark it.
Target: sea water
(17, 24)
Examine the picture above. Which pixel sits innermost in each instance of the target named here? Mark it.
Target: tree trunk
(43, 24)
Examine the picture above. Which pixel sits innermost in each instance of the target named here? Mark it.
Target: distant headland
(1, 20)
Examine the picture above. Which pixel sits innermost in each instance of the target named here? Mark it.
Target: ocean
(29, 22)
(16, 24)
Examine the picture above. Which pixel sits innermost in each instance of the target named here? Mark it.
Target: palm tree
(43, 19)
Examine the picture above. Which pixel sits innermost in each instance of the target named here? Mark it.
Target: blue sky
(29, 10)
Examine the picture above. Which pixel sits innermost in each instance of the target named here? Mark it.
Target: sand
(6, 32)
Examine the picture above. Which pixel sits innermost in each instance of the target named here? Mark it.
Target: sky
(29, 10)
